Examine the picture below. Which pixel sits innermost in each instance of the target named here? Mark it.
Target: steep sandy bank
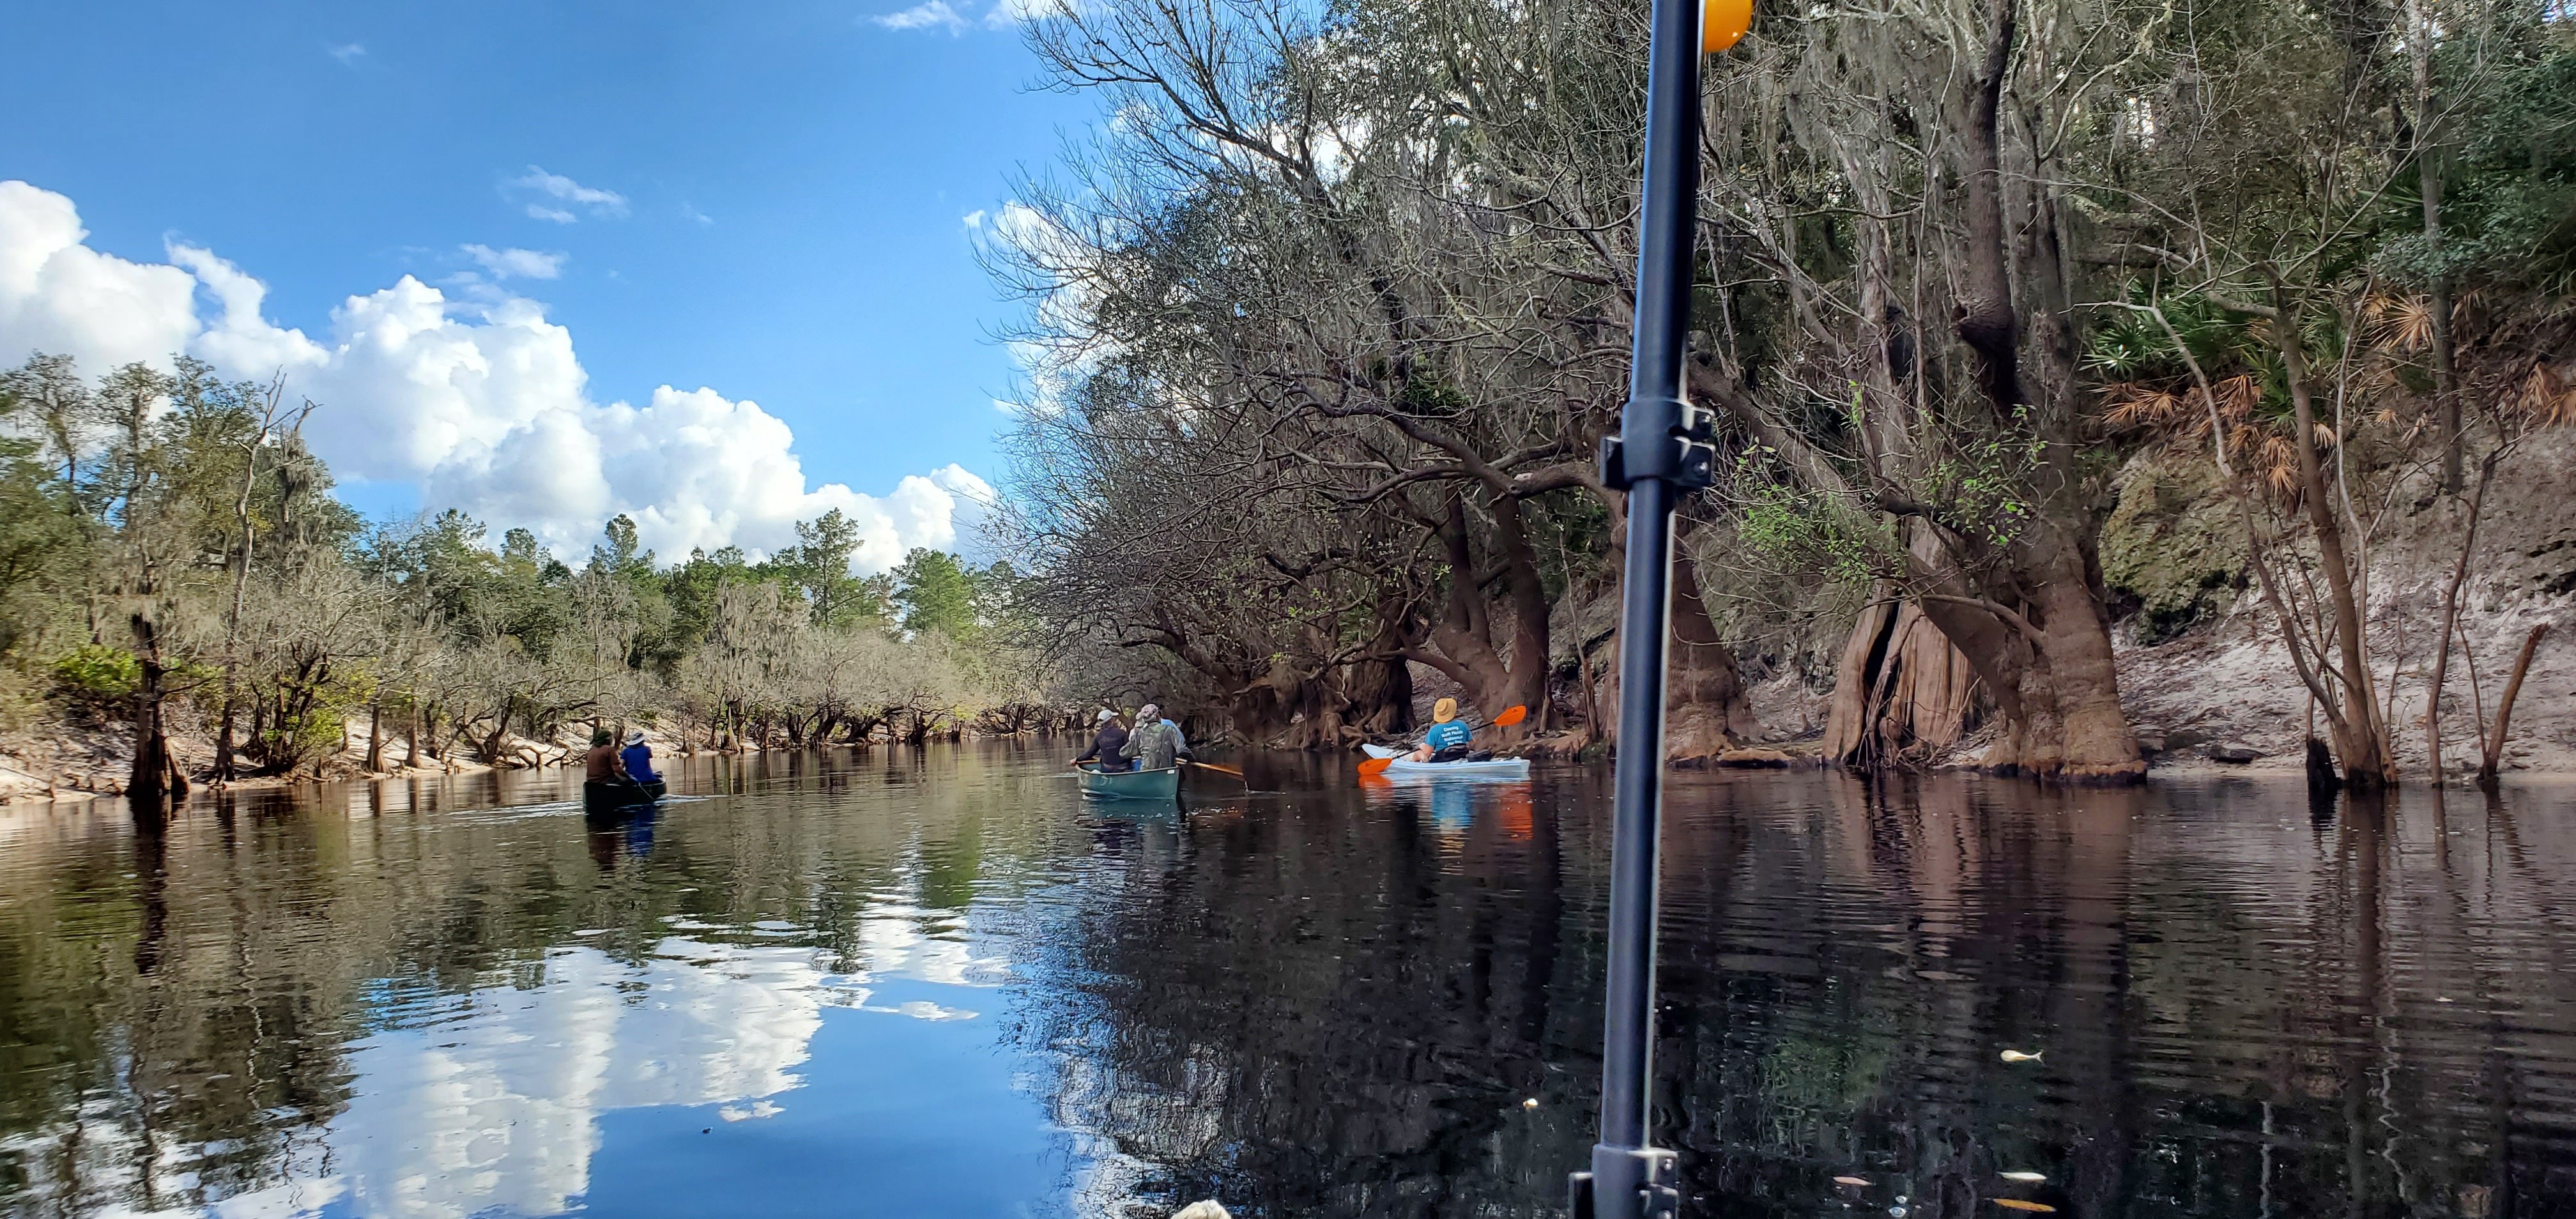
(2229, 679)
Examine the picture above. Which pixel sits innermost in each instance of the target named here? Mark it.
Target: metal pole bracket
(1657, 1176)
(1687, 459)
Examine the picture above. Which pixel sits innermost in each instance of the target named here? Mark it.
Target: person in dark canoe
(1446, 739)
(637, 758)
(601, 765)
(1106, 742)
(1156, 742)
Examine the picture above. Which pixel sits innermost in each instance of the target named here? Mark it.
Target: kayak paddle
(1510, 716)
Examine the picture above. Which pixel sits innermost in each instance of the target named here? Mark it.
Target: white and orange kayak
(1400, 764)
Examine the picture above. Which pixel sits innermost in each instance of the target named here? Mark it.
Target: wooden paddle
(1248, 788)
(1510, 716)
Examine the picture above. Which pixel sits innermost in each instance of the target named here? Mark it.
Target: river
(938, 984)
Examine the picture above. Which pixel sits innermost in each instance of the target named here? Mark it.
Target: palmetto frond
(2545, 397)
(2402, 323)
(2143, 407)
(2237, 397)
(2278, 466)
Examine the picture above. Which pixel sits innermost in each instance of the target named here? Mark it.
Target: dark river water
(938, 984)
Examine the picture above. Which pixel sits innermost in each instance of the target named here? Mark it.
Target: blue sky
(789, 177)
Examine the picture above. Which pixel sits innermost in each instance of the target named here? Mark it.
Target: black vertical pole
(1660, 453)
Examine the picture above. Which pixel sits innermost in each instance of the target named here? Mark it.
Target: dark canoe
(1164, 784)
(612, 797)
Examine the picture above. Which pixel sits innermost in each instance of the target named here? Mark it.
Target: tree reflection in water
(1337, 1007)
(857, 972)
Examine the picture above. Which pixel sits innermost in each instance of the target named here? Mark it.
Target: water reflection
(2237, 1009)
(495, 1100)
(940, 984)
(414, 1001)
(621, 835)
(1451, 805)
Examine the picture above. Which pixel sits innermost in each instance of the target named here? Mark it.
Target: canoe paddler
(1156, 742)
(1107, 739)
(601, 764)
(1446, 739)
(637, 758)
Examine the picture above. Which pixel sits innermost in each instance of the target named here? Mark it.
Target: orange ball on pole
(1722, 22)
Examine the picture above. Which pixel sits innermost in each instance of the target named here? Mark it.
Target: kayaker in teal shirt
(1446, 739)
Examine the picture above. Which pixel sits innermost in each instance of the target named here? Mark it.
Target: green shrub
(95, 675)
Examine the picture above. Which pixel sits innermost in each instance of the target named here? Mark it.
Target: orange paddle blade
(1375, 766)
(1511, 716)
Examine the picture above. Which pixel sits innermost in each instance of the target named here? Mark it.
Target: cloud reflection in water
(493, 1105)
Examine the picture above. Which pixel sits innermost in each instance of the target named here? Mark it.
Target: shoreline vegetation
(2089, 393)
(2080, 382)
(184, 604)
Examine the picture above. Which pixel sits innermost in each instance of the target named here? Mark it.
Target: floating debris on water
(1849, 1181)
(2018, 1056)
(2026, 1178)
(1531, 1103)
(2016, 1204)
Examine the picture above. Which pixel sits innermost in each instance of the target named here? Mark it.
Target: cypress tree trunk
(147, 788)
(224, 766)
(1705, 709)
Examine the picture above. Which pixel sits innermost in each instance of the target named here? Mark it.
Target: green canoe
(1164, 784)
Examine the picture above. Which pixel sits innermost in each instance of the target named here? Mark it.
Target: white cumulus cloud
(481, 404)
(517, 263)
(1008, 13)
(928, 15)
(59, 295)
(554, 197)
(1048, 370)
(941, 15)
